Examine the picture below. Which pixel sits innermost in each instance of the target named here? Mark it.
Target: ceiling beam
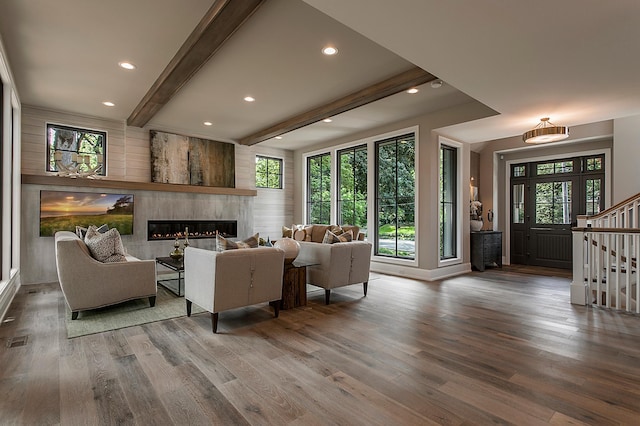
(398, 83)
(220, 22)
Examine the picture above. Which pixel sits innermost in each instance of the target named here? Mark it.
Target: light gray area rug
(128, 314)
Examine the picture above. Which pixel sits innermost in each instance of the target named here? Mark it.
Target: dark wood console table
(486, 249)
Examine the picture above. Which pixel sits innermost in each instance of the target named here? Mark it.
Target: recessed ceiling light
(278, 137)
(127, 65)
(329, 50)
(327, 120)
(249, 98)
(436, 84)
(412, 90)
(208, 123)
(108, 103)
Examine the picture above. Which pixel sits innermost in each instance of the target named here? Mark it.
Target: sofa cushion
(287, 232)
(223, 243)
(331, 238)
(105, 247)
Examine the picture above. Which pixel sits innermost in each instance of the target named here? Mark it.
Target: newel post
(579, 287)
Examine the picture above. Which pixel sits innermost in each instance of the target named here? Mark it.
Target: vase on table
(476, 225)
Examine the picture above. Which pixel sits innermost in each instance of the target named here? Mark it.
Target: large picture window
(352, 187)
(395, 197)
(268, 172)
(448, 202)
(319, 188)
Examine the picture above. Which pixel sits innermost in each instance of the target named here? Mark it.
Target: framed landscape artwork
(63, 211)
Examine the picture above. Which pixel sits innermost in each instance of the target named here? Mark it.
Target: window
(319, 188)
(268, 172)
(448, 198)
(395, 197)
(556, 167)
(352, 187)
(72, 151)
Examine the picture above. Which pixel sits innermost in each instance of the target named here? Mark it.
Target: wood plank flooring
(490, 347)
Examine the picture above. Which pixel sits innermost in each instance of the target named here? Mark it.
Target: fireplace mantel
(144, 186)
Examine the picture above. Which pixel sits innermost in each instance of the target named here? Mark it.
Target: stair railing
(606, 248)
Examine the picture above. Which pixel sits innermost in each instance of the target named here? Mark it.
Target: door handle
(540, 229)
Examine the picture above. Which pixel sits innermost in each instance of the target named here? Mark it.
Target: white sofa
(335, 265)
(89, 284)
(219, 281)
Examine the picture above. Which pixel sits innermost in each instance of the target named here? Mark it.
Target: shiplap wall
(129, 160)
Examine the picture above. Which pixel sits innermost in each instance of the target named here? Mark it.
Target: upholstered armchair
(220, 281)
(89, 284)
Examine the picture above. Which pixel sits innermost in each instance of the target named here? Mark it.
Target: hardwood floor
(488, 347)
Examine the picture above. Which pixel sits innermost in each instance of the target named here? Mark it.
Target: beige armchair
(336, 265)
(89, 284)
(220, 281)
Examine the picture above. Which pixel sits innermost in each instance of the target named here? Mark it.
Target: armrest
(199, 276)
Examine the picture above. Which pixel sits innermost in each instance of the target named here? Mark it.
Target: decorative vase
(291, 248)
(268, 243)
(476, 225)
(176, 253)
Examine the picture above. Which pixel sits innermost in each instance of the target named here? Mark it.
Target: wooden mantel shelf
(142, 186)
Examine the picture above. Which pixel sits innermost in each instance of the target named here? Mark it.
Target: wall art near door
(63, 211)
(191, 161)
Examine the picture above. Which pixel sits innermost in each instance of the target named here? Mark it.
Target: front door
(546, 198)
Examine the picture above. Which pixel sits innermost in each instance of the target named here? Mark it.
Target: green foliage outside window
(352, 187)
(319, 189)
(395, 197)
(268, 172)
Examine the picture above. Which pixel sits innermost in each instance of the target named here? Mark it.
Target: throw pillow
(331, 238)
(223, 243)
(82, 232)
(287, 232)
(302, 232)
(107, 247)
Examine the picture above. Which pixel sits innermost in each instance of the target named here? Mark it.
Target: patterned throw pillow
(223, 243)
(302, 232)
(107, 247)
(331, 238)
(82, 232)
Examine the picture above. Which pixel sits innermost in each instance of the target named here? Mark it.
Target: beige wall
(626, 133)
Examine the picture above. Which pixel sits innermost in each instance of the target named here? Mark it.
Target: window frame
(308, 200)
(339, 204)
(280, 175)
(460, 211)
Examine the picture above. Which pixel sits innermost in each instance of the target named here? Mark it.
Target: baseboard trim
(8, 291)
(421, 274)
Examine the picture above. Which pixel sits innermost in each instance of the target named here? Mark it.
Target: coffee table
(174, 285)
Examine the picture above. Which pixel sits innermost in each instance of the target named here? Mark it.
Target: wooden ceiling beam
(398, 83)
(220, 22)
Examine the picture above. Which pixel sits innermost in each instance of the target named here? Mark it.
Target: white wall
(626, 134)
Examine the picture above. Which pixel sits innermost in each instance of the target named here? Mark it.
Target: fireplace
(170, 229)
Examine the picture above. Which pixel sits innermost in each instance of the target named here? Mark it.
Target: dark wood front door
(546, 198)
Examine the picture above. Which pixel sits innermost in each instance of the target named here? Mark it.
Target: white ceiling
(575, 61)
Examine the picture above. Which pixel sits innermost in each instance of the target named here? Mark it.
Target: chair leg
(214, 322)
(327, 293)
(152, 301)
(74, 315)
(366, 286)
(276, 308)
(188, 307)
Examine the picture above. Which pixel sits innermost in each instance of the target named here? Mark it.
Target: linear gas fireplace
(170, 229)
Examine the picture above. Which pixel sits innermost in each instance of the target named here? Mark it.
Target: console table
(486, 249)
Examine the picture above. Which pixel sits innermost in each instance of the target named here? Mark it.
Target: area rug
(128, 314)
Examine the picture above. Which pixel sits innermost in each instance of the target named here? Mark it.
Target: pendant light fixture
(545, 132)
